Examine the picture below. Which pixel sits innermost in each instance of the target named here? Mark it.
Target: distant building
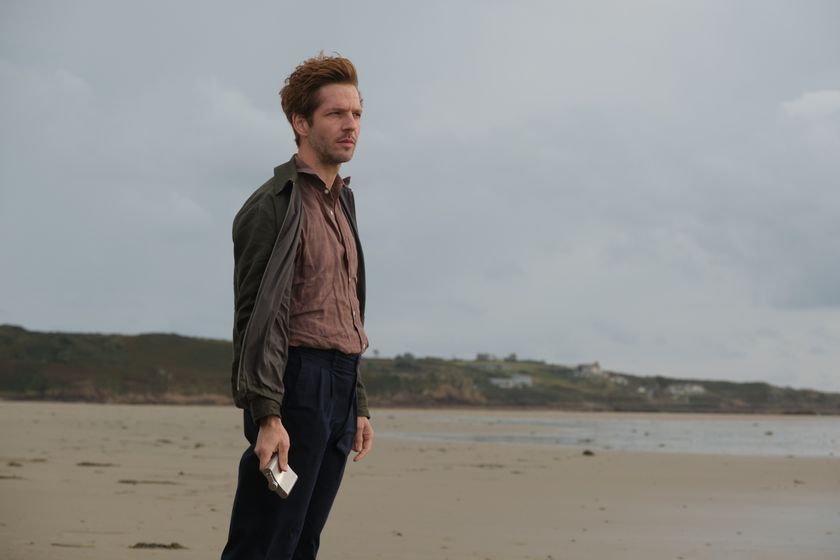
(515, 381)
(686, 389)
(589, 370)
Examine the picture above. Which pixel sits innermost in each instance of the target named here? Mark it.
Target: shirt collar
(303, 167)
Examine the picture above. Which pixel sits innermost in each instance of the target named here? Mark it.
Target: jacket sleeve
(254, 233)
(361, 395)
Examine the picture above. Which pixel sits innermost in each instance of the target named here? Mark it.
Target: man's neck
(326, 172)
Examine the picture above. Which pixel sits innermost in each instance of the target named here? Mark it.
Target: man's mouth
(348, 141)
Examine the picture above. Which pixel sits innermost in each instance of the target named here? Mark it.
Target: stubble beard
(326, 156)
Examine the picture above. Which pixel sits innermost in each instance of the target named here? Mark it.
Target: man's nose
(349, 122)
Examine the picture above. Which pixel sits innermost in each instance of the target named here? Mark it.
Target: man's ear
(300, 124)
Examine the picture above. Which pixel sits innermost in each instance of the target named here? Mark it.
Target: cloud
(572, 182)
(28, 86)
(170, 212)
(815, 121)
(45, 116)
(110, 190)
(813, 105)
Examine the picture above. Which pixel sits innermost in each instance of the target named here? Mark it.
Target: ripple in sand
(170, 546)
(72, 545)
(129, 481)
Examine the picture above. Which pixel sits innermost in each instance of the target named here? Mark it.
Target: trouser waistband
(329, 357)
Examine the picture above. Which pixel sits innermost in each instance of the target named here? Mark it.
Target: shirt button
(326, 191)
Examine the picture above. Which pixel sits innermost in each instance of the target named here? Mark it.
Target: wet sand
(92, 481)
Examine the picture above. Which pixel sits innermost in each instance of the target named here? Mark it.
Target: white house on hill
(514, 381)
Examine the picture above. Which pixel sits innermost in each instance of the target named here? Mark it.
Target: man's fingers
(360, 455)
(366, 442)
(363, 451)
(283, 457)
(264, 454)
(357, 441)
(272, 438)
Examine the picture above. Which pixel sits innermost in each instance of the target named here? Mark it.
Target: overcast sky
(653, 185)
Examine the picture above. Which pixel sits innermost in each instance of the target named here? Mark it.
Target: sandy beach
(93, 481)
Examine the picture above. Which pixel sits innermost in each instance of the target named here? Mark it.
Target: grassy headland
(168, 368)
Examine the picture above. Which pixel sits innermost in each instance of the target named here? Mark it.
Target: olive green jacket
(266, 234)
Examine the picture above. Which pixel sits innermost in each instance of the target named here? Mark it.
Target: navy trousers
(319, 413)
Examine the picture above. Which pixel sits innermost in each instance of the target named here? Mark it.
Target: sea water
(704, 434)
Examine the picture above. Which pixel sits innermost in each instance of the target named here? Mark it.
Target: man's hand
(363, 441)
(271, 439)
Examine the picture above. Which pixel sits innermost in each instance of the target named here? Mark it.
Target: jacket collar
(285, 175)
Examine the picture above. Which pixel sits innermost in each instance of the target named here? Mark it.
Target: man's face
(332, 134)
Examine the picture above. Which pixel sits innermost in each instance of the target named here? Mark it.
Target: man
(299, 288)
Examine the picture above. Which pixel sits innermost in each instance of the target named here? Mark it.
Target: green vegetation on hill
(104, 368)
(168, 368)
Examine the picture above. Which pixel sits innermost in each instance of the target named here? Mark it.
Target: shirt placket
(332, 205)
